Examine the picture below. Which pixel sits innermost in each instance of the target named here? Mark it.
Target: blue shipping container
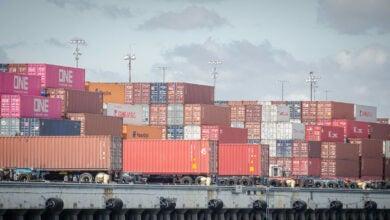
(158, 93)
(3, 67)
(253, 141)
(175, 132)
(295, 109)
(49, 127)
(284, 148)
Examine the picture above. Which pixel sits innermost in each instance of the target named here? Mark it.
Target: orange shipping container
(60, 153)
(112, 92)
(198, 114)
(335, 110)
(93, 124)
(141, 132)
(170, 157)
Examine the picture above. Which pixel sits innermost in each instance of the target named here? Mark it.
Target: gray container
(9, 127)
(175, 114)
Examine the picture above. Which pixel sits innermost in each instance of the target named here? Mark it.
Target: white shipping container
(269, 113)
(290, 131)
(283, 113)
(268, 130)
(192, 132)
(237, 124)
(365, 113)
(386, 148)
(132, 114)
(298, 131)
(295, 120)
(175, 115)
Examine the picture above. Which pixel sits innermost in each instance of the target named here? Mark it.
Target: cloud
(102, 75)
(14, 45)
(116, 12)
(55, 42)
(81, 5)
(356, 16)
(190, 18)
(3, 56)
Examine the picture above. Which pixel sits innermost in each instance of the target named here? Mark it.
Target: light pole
(326, 94)
(215, 73)
(76, 53)
(129, 57)
(163, 68)
(313, 84)
(282, 82)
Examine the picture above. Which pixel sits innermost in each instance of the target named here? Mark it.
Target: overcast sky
(261, 42)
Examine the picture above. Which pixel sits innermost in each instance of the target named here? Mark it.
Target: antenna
(215, 73)
(76, 53)
(163, 68)
(313, 84)
(282, 82)
(129, 57)
(326, 94)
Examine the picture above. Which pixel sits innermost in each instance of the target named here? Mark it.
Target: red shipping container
(11, 83)
(253, 113)
(18, 106)
(335, 110)
(20, 68)
(368, 148)
(187, 93)
(309, 112)
(306, 149)
(62, 153)
(237, 112)
(282, 162)
(254, 130)
(386, 166)
(76, 101)
(54, 76)
(339, 168)
(379, 131)
(224, 134)
(94, 124)
(279, 102)
(306, 167)
(324, 133)
(158, 114)
(339, 150)
(352, 129)
(170, 157)
(140, 93)
(265, 159)
(199, 114)
(239, 159)
(324, 122)
(371, 167)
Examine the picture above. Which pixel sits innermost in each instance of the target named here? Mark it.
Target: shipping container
(175, 114)
(237, 113)
(383, 120)
(371, 167)
(278, 102)
(239, 160)
(309, 112)
(275, 113)
(137, 114)
(306, 149)
(187, 93)
(17, 106)
(339, 150)
(268, 130)
(112, 92)
(163, 131)
(379, 131)
(140, 93)
(369, 148)
(288, 131)
(339, 168)
(48, 127)
(221, 102)
(94, 124)
(76, 101)
(199, 114)
(271, 146)
(335, 110)
(365, 113)
(254, 141)
(192, 132)
(9, 127)
(175, 132)
(170, 157)
(253, 113)
(306, 167)
(59, 153)
(158, 114)
(224, 134)
(254, 130)
(277, 163)
(284, 148)
(386, 172)
(352, 129)
(141, 132)
(386, 148)
(158, 93)
(324, 133)
(295, 109)
(54, 76)
(20, 68)
(4, 67)
(237, 124)
(11, 83)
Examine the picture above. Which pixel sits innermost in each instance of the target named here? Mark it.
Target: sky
(267, 48)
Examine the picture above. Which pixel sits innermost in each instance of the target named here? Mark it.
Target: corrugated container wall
(158, 114)
(175, 132)
(275, 113)
(379, 131)
(93, 124)
(224, 134)
(288, 131)
(237, 113)
(309, 112)
(324, 133)
(11, 83)
(371, 168)
(253, 113)
(295, 109)
(335, 110)
(352, 129)
(192, 132)
(20, 68)
(187, 93)
(284, 148)
(137, 114)
(309, 149)
(4, 67)
(49, 127)
(271, 146)
(112, 92)
(386, 148)
(175, 114)
(9, 127)
(141, 132)
(280, 162)
(254, 130)
(369, 148)
(78, 101)
(140, 93)
(306, 167)
(386, 172)
(100, 153)
(365, 113)
(331, 168)
(199, 114)
(170, 157)
(158, 93)
(338, 150)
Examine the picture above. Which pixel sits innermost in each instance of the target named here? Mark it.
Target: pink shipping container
(371, 168)
(76, 101)
(324, 133)
(237, 113)
(18, 106)
(339, 150)
(187, 93)
(20, 68)
(224, 134)
(306, 149)
(335, 110)
(11, 83)
(283, 162)
(240, 159)
(379, 131)
(369, 148)
(254, 130)
(339, 168)
(253, 113)
(54, 76)
(170, 157)
(140, 93)
(94, 124)
(306, 167)
(158, 114)
(352, 129)
(59, 153)
(199, 114)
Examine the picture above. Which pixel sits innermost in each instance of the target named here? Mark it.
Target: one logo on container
(65, 76)
(41, 105)
(21, 82)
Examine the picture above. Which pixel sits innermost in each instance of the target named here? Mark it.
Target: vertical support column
(152, 214)
(119, 214)
(362, 215)
(86, 214)
(18, 214)
(233, 214)
(70, 214)
(323, 214)
(135, 214)
(102, 214)
(193, 214)
(179, 214)
(220, 214)
(34, 214)
(282, 214)
(245, 214)
(290, 214)
(2, 212)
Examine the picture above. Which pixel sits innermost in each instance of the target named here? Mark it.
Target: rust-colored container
(187, 93)
(386, 167)
(339, 150)
(279, 102)
(94, 124)
(306, 149)
(309, 111)
(379, 131)
(339, 168)
(253, 113)
(199, 114)
(237, 112)
(306, 167)
(77, 101)
(368, 148)
(224, 134)
(112, 92)
(59, 153)
(335, 110)
(371, 167)
(383, 120)
(170, 157)
(140, 93)
(324, 133)
(19, 68)
(239, 159)
(141, 132)
(158, 114)
(352, 129)
(282, 162)
(254, 130)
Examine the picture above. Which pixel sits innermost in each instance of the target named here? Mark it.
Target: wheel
(198, 180)
(332, 184)
(24, 177)
(246, 181)
(319, 184)
(86, 178)
(186, 180)
(353, 185)
(232, 182)
(274, 183)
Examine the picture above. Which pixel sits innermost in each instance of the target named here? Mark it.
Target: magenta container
(11, 83)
